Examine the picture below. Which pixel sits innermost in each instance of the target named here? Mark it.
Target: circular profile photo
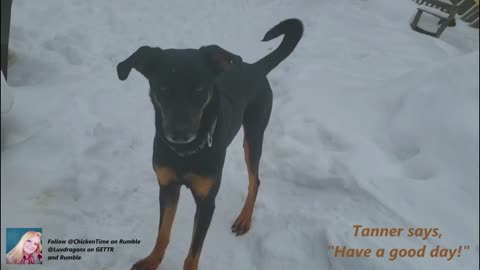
(24, 246)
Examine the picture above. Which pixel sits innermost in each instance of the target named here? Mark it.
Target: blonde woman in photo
(27, 251)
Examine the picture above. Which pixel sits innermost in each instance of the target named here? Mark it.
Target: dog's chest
(201, 184)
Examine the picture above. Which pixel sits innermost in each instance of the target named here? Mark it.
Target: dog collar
(207, 141)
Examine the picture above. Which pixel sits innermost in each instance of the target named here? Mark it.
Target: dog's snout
(181, 134)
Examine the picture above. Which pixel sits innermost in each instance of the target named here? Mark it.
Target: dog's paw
(148, 263)
(242, 224)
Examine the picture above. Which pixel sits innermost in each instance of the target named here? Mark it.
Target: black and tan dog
(201, 99)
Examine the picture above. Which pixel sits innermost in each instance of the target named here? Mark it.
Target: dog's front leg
(203, 217)
(169, 195)
(204, 191)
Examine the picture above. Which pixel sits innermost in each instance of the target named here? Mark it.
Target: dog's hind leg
(255, 121)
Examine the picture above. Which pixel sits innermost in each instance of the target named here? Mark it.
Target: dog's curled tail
(293, 31)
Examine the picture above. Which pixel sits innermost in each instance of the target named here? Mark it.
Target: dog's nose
(181, 134)
(182, 138)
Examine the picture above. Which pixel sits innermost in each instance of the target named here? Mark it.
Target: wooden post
(6, 6)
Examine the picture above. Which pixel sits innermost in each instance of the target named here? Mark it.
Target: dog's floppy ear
(220, 59)
(139, 60)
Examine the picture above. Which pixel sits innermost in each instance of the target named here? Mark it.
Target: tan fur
(200, 185)
(244, 219)
(152, 261)
(165, 175)
(163, 237)
(191, 262)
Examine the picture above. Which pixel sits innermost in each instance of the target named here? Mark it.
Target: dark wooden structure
(6, 6)
(467, 10)
(442, 9)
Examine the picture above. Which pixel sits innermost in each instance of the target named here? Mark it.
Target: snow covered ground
(372, 124)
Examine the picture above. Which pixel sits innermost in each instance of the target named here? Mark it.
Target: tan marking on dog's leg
(200, 185)
(244, 220)
(152, 261)
(203, 217)
(164, 231)
(169, 195)
(165, 175)
(191, 262)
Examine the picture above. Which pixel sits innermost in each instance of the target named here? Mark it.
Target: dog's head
(181, 84)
